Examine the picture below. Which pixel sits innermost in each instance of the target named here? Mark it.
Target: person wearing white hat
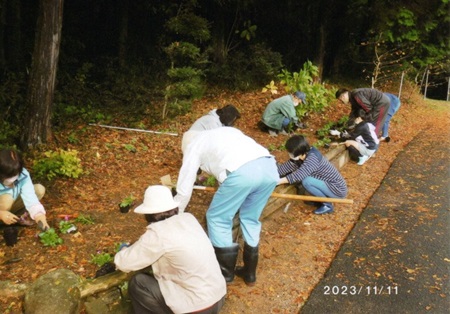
(186, 276)
(247, 174)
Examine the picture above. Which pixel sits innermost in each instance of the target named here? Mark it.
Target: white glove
(335, 132)
(345, 134)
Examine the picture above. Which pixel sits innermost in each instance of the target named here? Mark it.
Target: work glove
(107, 268)
(299, 125)
(123, 245)
(335, 132)
(41, 221)
(345, 134)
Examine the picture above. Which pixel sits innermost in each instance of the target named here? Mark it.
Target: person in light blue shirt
(17, 192)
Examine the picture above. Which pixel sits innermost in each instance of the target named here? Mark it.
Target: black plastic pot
(10, 235)
(124, 209)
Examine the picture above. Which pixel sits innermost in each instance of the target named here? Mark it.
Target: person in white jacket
(247, 174)
(216, 118)
(186, 276)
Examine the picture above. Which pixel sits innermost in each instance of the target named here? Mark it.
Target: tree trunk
(2, 34)
(14, 51)
(322, 52)
(123, 32)
(43, 74)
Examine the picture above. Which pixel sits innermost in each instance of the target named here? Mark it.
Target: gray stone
(55, 292)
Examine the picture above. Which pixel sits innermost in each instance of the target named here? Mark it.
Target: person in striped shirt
(307, 166)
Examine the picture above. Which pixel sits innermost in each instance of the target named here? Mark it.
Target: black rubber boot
(248, 271)
(227, 257)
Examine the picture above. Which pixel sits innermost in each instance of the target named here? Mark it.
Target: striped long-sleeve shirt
(317, 166)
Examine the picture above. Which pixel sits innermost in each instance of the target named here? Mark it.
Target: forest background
(65, 60)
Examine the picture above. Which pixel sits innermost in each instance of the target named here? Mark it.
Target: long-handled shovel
(167, 181)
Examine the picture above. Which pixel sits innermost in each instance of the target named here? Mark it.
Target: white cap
(157, 199)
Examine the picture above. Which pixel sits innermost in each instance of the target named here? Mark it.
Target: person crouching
(186, 276)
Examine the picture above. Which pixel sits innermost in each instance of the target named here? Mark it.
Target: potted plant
(126, 203)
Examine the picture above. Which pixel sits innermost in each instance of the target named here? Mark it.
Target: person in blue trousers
(307, 166)
(247, 174)
(393, 108)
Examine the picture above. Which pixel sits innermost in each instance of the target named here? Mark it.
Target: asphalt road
(397, 257)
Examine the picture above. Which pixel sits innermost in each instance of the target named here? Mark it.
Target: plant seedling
(50, 238)
(101, 259)
(126, 203)
(66, 226)
(85, 220)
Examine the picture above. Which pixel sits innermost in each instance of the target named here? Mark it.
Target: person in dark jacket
(310, 168)
(372, 101)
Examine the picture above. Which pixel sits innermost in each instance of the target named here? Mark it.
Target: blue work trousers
(246, 190)
(318, 188)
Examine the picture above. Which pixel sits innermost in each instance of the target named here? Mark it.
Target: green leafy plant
(50, 238)
(72, 138)
(317, 96)
(100, 259)
(58, 163)
(271, 87)
(85, 220)
(127, 201)
(210, 181)
(65, 226)
(130, 147)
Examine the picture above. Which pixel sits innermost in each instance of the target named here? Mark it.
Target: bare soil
(296, 246)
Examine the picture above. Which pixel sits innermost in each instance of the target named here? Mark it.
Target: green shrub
(58, 163)
(317, 96)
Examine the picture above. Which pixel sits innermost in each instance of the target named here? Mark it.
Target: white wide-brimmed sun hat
(157, 199)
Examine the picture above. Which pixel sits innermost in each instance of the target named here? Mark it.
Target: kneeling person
(186, 275)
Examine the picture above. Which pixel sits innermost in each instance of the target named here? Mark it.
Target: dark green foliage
(12, 94)
(246, 69)
(185, 74)
(182, 52)
(191, 26)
